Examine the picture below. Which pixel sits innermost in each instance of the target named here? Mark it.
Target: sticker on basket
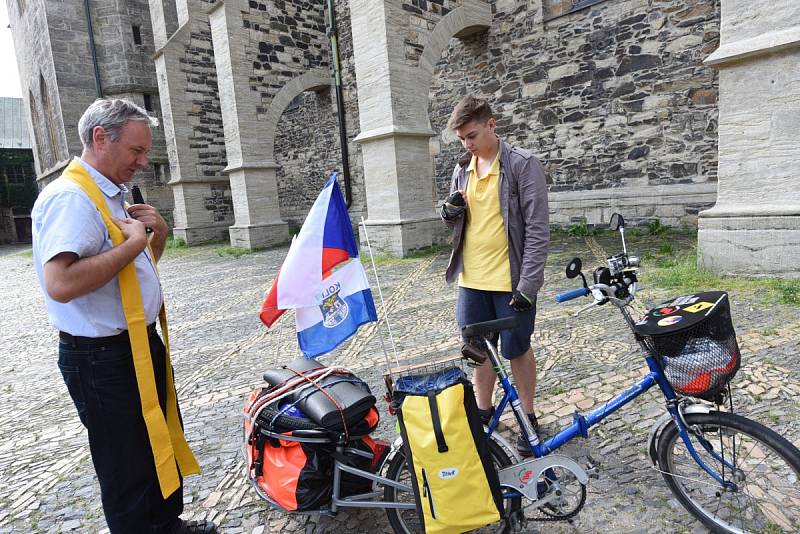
(700, 306)
(669, 321)
(665, 311)
(686, 299)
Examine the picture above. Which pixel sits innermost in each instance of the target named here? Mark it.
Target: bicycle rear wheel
(407, 521)
(766, 474)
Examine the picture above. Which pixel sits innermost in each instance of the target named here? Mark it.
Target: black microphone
(136, 193)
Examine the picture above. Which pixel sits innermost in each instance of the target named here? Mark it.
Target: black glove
(453, 206)
(520, 301)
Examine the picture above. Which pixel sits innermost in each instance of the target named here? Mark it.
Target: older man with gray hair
(95, 257)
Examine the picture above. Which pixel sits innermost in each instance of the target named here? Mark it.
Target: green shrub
(176, 243)
(582, 229)
(655, 227)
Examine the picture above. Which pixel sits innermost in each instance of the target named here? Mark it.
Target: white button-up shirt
(65, 220)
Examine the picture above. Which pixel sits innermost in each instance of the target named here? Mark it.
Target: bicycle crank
(555, 485)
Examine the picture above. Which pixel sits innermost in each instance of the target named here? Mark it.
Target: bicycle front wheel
(408, 521)
(766, 474)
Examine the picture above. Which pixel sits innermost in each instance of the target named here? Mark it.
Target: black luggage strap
(331, 398)
(437, 423)
(258, 461)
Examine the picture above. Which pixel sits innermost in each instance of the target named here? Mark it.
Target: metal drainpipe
(97, 85)
(337, 74)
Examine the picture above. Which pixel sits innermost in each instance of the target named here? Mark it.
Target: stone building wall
(307, 150)
(49, 37)
(205, 117)
(423, 15)
(358, 205)
(32, 43)
(614, 100)
(307, 144)
(287, 39)
(189, 101)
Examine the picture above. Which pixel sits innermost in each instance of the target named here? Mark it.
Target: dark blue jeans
(102, 383)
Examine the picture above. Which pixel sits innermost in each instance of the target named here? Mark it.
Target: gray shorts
(477, 306)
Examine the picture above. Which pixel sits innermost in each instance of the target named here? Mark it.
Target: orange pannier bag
(297, 476)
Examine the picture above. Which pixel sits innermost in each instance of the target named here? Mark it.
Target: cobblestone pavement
(220, 350)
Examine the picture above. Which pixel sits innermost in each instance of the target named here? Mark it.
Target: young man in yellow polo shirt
(498, 211)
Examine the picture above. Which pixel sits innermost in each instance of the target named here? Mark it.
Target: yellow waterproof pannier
(455, 484)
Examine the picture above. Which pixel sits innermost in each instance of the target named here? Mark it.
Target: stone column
(201, 193)
(252, 172)
(754, 228)
(395, 132)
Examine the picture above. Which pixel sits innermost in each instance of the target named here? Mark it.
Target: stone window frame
(564, 7)
(50, 126)
(136, 30)
(36, 127)
(160, 173)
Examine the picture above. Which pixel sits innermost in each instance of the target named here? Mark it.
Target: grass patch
(680, 272)
(771, 331)
(173, 243)
(25, 253)
(788, 291)
(582, 229)
(176, 247)
(665, 248)
(656, 228)
(556, 390)
(383, 258)
(236, 252)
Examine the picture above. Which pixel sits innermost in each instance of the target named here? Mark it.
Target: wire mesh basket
(423, 368)
(701, 358)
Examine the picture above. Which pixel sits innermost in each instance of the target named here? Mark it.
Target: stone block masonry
(55, 63)
(614, 99)
(190, 106)
(754, 228)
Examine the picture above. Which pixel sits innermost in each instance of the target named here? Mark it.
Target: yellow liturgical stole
(170, 450)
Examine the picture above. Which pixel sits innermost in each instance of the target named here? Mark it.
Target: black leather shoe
(196, 527)
(486, 415)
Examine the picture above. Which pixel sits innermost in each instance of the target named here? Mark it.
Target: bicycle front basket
(692, 337)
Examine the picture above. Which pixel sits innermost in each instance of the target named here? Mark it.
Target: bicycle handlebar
(572, 294)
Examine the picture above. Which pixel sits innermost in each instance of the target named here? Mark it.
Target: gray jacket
(523, 204)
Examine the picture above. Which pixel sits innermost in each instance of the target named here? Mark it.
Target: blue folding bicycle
(731, 473)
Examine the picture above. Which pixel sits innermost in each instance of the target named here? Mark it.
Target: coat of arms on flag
(322, 278)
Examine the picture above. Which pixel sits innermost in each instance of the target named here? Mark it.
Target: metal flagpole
(383, 304)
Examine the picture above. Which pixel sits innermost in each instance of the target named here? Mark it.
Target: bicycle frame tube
(581, 424)
(509, 395)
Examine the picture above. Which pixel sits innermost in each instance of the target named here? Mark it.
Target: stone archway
(475, 16)
(253, 96)
(393, 112)
(315, 80)
(254, 183)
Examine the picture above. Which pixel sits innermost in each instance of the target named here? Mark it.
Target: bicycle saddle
(489, 327)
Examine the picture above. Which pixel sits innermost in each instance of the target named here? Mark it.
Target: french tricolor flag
(325, 240)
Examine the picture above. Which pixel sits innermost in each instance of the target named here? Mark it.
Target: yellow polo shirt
(485, 252)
